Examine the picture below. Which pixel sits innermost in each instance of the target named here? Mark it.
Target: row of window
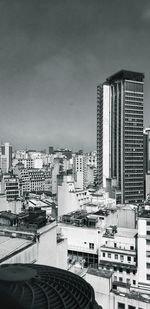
(117, 256)
(122, 306)
(127, 280)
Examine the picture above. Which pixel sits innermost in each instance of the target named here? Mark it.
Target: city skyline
(53, 55)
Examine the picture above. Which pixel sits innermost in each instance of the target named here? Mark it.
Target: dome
(44, 287)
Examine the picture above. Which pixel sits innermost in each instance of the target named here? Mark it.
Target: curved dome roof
(44, 287)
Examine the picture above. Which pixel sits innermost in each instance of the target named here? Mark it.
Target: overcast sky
(53, 53)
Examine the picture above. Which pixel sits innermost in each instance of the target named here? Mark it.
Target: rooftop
(125, 232)
(9, 246)
(124, 74)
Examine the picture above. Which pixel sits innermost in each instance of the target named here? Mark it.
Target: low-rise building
(119, 254)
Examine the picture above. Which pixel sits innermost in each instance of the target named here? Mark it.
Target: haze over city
(53, 54)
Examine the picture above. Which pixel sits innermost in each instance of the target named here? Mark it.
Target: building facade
(120, 135)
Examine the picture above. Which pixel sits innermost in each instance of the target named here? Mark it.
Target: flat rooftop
(100, 273)
(125, 232)
(9, 246)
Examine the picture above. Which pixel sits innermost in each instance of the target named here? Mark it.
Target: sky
(53, 53)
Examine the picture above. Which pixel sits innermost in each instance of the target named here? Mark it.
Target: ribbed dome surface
(44, 287)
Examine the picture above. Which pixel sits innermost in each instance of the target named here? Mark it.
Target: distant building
(13, 205)
(51, 150)
(6, 150)
(10, 186)
(79, 170)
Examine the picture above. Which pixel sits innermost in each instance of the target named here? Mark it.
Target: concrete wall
(47, 247)
(28, 255)
(67, 198)
(62, 254)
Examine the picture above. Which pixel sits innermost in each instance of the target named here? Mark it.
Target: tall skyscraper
(120, 135)
(6, 150)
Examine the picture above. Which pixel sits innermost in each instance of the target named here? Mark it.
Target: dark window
(109, 255)
(116, 256)
(120, 279)
(129, 258)
(134, 282)
(148, 232)
(148, 265)
(148, 223)
(91, 245)
(115, 245)
(131, 248)
(103, 254)
(121, 306)
(148, 277)
(131, 307)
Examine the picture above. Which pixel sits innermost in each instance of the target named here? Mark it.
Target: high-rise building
(120, 135)
(6, 150)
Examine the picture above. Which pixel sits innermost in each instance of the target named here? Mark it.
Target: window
(115, 245)
(148, 233)
(121, 306)
(91, 245)
(148, 277)
(131, 307)
(134, 282)
(148, 241)
(148, 265)
(147, 253)
(103, 254)
(116, 256)
(121, 258)
(131, 248)
(120, 279)
(129, 258)
(115, 278)
(148, 222)
(109, 255)
(128, 281)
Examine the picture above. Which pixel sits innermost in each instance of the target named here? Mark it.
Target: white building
(144, 249)
(118, 253)
(6, 151)
(79, 171)
(55, 172)
(12, 205)
(20, 247)
(69, 198)
(110, 295)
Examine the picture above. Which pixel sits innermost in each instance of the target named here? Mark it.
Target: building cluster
(88, 213)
